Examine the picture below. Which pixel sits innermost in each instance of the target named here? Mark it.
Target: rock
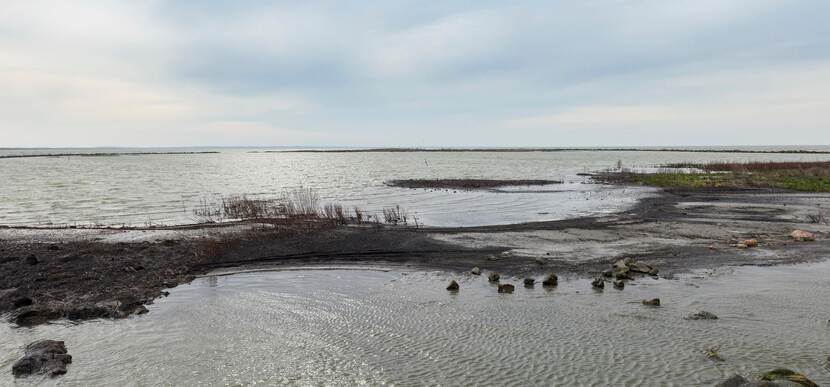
(749, 243)
(642, 268)
(803, 236)
(702, 315)
(550, 281)
(789, 375)
(43, 357)
(31, 260)
(619, 284)
(620, 269)
(529, 282)
(608, 273)
(34, 315)
(453, 286)
(476, 271)
(141, 310)
(494, 277)
(733, 381)
(506, 288)
(598, 283)
(652, 302)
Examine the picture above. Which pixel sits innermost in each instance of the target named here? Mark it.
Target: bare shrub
(394, 215)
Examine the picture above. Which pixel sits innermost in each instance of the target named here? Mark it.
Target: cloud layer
(407, 73)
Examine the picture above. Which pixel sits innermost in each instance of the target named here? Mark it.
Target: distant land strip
(379, 150)
(100, 154)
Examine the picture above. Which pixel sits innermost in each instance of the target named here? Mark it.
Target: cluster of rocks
(551, 280)
(623, 269)
(43, 357)
(769, 379)
(626, 268)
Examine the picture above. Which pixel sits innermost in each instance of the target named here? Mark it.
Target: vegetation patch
(797, 176)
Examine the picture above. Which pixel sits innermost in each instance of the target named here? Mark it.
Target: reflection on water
(347, 327)
(165, 189)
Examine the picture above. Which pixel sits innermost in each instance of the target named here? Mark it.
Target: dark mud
(54, 274)
(466, 184)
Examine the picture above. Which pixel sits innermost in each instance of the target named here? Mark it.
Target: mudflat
(81, 274)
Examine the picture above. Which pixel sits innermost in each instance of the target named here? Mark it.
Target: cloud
(528, 72)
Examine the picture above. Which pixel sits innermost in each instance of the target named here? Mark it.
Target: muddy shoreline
(81, 274)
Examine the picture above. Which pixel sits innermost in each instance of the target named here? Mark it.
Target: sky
(414, 73)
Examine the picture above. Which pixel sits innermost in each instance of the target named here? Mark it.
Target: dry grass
(293, 210)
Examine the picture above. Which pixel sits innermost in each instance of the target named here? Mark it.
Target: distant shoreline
(413, 150)
(101, 154)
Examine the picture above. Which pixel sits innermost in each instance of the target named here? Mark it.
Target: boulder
(506, 288)
(453, 286)
(652, 302)
(551, 280)
(619, 284)
(529, 282)
(43, 357)
(476, 271)
(608, 273)
(598, 283)
(494, 277)
(789, 375)
(702, 315)
(803, 236)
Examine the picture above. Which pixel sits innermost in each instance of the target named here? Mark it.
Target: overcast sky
(414, 73)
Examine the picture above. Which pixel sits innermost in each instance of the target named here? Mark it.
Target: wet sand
(81, 274)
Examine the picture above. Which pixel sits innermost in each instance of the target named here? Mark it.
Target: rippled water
(165, 189)
(362, 327)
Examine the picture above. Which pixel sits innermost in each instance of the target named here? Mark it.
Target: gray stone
(43, 357)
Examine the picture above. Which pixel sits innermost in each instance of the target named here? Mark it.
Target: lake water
(165, 189)
(364, 327)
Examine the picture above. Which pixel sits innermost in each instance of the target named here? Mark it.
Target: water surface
(362, 327)
(165, 189)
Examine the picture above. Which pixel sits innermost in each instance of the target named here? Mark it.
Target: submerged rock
(476, 271)
(789, 375)
(551, 280)
(733, 381)
(453, 286)
(652, 302)
(494, 277)
(598, 283)
(506, 288)
(43, 357)
(619, 284)
(702, 315)
(529, 282)
(803, 236)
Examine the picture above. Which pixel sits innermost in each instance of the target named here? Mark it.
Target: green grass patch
(796, 180)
